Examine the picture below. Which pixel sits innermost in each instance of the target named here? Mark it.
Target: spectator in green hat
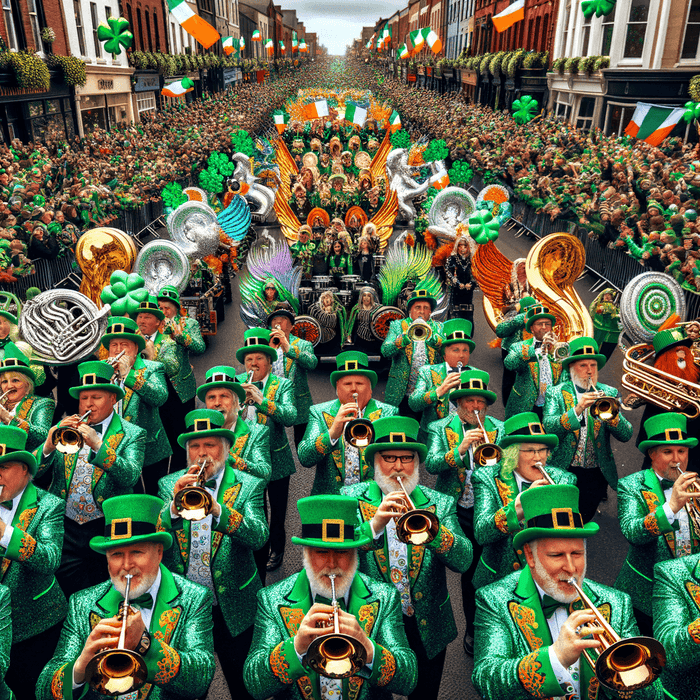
(31, 537)
(171, 628)
(250, 451)
(584, 439)
(219, 544)
(270, 401)
(408, 356)
(180, 327)
(533, 364)
(532, 618)
(339, 462)
(108, 464)
(397, 451)
(651, 510)
(295, 611)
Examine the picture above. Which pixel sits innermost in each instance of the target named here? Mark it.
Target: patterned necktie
(398, 562)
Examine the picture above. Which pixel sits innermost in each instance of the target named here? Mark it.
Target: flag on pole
(178, 88)
(270, 47)
(355, 114)
(242, 44)
(315, 110)
(303, 48)
(432, 39)
(653, 123)
(512, 14)
(368, 45)
(394, 121)
(281, 120)
(295, 43)
(256, 36)
(403, 51)
(228, 43)
(282, 47)
(193, 24)
(417, 40)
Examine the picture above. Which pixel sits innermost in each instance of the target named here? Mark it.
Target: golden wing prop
(491, 270)
(378, 166)
(289, 223)
(386, 216)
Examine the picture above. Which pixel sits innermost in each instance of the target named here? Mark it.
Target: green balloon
(134, 281)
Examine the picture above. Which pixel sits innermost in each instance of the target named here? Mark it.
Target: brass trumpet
(359, 431)
(250, 402)
(117, 671)
(416, 526)
(419, 331)
(336, 655)
(604, 408)
(622, 665)
(691, 507)
(68, 440)
(195, 502)
(487, 454)
(114, 362)
(4, 396)
(560, 348)
(275, 342)
(545, 473)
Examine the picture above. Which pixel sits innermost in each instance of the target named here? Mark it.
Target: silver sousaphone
(162, 263)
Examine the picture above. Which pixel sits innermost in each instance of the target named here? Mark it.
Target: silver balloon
(163, 263)
(194, 228)
(451, 206)
(62, 326)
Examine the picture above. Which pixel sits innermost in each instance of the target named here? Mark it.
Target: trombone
(605, 407)
(336, 655)
(417, 526)
(359, 431)
(419, 331)
(545, 474)
(623, 665)
(68, 440)
(488, 454)
(117, 671)
(691, 507)
(195, 502)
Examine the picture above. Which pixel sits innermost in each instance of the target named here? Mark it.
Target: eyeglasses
(541, 450)
(404, 459)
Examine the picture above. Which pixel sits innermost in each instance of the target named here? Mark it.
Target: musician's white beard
(322, 586)
(387, 484)
(549, 584)
(119, 582)
(211, 471)
(581, 380)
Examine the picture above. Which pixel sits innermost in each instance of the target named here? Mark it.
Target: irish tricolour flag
(178, 89)
(281, 120)
(256, 36)
(403, 51)
(315, 110)
(228, 44)
(355, 114)
(417, 40)
(394, 121)
(432, 39)
(512, 14)
(242, 45)
(652, 123)
(269, 47)
(193, 24)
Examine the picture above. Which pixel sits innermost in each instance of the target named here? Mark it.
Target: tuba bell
(68, 440)
(417, 526)
(419, 331)
(195, 502)
(358, 432)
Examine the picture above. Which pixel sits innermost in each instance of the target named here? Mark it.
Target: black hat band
(669, 434)
(92, 379)
(148, 306)
(12, 362)
(120, 328)
(421, 293)
(536, 310)
(5, 450)
(558, 519)
(125, 528)
(395, 438)
(255, 340)
(584, 350)
(351, 365)
(201, 425)
(219, 377)
(458, 335)
(473, 384)
(328, 531)
(529, 429)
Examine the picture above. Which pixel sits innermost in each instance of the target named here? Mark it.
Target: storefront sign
(230, 76)
(105, 84)
(469, 77)
(146, 83)
(193, 76)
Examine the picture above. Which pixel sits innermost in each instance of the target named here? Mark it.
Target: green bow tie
(666, 484)
(550, 606)
(144, 601)
(326, 601)
(6, 504)
(211, 484)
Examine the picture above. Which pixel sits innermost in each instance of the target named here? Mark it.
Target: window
(93, 17)
(79, 26)
(10, 24)
(565, 33)
(619, 116)
(34, 22)
(636, 28)
(148, 29)
(607, 29)
(141, 46)
(586, 35)
(108, 11)
(562, 105)
(585, 113)
(692, 32)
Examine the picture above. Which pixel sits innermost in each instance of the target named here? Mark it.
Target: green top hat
(9, 303)
(122, 327)
(256, 340)
(474, 382)
(552, 511)
(535, 313)
(666, 429)
(204, 422)
(457, 330)
(130, 519)
(328, 522)
(670, 338)
(526, 303)
(16, 361)
(584, 349)
(221, 377)
(96, 375)
(281, 310)
(421, 295)
(169, 293)
(353, 362)
(526, 427)
(397, 433)
(149, 306)
(13, 441)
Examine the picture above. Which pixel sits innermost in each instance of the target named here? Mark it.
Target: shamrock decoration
(524, 109)
(242, 143)
(211, 180)
(400, 139)
(692, 111)
(124, 293)
(460, 172)
(437, 150)
(115, 33)
(483, 227)
(173, 195)
(220, 161)
(599, 7)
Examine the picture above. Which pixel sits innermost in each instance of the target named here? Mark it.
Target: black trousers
(172, 414)
(278, 495)
(299, 431)
(27, 661)
(508, 379)
(80, 566)
(232, 653)
(406, 411)
(466, 521)
(429, 670)
(592, 487)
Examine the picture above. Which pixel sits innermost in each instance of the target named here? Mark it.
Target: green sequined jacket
(273, 667)
(191, 337)
(560, 419)
(426, 569)
(316, 449)
(298, 360)
(511, 331)
(241, 529)
(178, 370)
(34, 415)
(5, 640)
(250, 451)
(676, 605)
(180, 660)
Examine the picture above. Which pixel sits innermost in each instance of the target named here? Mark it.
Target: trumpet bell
(116, 671)
(417, 527)
(561, 351)
(193, 503)
(605, 408)
(418, 332)
(488, 455)
(67, 441)
(336, 656)
(630, 664)
(359, 432)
